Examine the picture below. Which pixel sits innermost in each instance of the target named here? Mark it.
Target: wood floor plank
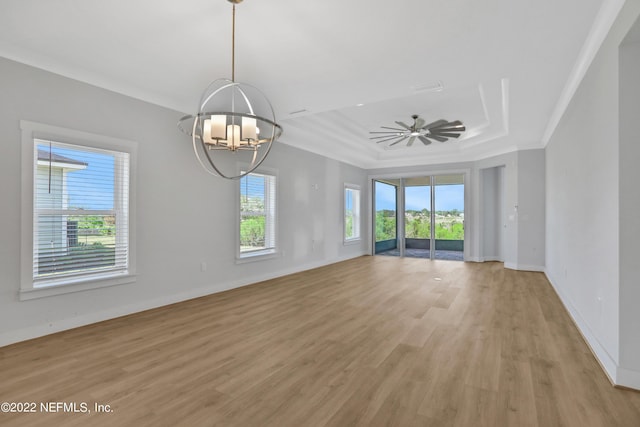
(374, 341)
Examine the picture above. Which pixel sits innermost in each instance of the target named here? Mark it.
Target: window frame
(30, 133)
(357, 216)
(257, 255)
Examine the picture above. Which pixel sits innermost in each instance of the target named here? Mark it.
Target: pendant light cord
(50, 161)
(233, 45)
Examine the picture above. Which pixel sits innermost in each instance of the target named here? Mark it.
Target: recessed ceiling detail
(482, 109)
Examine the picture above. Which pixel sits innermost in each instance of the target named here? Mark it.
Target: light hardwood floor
(371, 341)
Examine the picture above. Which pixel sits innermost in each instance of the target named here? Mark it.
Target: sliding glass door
(420, 217)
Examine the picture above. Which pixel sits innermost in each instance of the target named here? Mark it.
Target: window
(79, 191)
(257, 215)
(351, 212)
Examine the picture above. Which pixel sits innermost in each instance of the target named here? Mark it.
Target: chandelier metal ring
(232, 116)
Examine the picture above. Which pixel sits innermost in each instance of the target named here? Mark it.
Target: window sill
(77, 285)
(351, 242)
(257, 256)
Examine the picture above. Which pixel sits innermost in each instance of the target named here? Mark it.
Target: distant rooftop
(44, 155)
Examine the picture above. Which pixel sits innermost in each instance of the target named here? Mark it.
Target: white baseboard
(607, 362)
(36, 331)
(523, 267)
(628, 378)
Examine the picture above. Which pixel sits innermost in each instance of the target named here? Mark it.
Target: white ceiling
(502, 64)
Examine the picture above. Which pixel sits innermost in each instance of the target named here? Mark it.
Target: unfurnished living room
(277, 213)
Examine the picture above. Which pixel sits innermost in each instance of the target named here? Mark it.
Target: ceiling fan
(440, 130)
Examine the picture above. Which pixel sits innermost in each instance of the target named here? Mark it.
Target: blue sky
(92, 187)
(252, 186)
(448, 197)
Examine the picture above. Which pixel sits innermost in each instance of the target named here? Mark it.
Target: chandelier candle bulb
(233, 134)
(249, 129)
(206, 133)
(218, 126)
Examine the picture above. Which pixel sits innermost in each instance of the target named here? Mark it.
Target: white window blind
(257, 214)
(351, 213)
(81, 212)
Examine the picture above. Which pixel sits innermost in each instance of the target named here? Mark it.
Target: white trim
(89, 141)
(597, 34)
(607, 362)
(523, 267)
(258, 256)
(628, 378)
(270, 253)
(84, 284)
(488, 259)
(356, 225)
(47, 328)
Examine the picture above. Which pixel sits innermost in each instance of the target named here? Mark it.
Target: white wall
(531, 212)
(583, 216)
(629, 212)
(184, 216)
(493, 221)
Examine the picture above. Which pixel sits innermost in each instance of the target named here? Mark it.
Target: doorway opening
(420, 217)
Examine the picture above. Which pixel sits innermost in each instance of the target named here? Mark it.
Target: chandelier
(235, 122)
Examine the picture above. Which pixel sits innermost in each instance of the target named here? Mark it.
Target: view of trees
(348, 224)
(252, 222)
(95, 225)
(252, 231)
(385, 225)
(449, 224)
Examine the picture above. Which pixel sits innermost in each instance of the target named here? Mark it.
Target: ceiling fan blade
(388, 132)
(385, 136)
(398, 141)
(434, 124)
(448, 129)
(447, 125)
(450, 135)
(410, 143)
(404, 125)
(437, 138)
(424, 140)
(387, 127)
(387, 139)
(419, 122)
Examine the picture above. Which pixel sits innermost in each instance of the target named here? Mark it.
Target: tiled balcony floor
(424, 253)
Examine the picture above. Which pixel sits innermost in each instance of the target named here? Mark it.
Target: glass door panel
(386, 221)
(449, 216)
(417, 217)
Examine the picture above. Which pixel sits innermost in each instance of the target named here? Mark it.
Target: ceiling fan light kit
(440, 130)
